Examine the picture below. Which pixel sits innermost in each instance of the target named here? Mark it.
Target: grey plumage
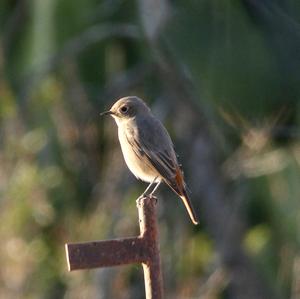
(147, 147)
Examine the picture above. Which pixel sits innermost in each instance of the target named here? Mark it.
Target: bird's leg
(150, 185)
(144, 194)
(155, 188)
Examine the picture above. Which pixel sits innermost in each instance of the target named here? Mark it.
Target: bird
(148, 149)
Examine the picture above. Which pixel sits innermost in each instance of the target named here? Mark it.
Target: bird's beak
(106, 113)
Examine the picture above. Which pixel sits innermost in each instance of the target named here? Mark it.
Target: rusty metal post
(149, 233)
(142, 249)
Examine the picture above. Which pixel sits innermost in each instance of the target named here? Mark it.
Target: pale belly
(138, 166)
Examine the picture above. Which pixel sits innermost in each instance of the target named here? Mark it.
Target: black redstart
(148, 149)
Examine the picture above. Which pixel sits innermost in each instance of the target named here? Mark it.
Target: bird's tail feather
(188, 205)
(181, 191)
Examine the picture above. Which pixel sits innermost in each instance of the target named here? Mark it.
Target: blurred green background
(223, 76)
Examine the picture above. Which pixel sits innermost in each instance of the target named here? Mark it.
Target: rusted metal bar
(149, 233)
(105, 253)
(142, 249)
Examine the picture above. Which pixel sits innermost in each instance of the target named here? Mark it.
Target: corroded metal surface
(142, 249)
(149, 233)
(105, 253)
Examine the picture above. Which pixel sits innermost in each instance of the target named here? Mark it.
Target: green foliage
(62, 176)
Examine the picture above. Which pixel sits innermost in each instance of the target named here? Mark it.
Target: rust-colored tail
(188, 205)
(178, 186)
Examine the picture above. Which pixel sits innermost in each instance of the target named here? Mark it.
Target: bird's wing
(154, 143)
(157, 147)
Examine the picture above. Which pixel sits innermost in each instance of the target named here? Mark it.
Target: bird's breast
(136, 161)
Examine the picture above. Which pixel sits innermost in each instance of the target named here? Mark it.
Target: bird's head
(127, 108)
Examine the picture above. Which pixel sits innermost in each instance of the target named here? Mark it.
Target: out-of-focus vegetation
(62, 175)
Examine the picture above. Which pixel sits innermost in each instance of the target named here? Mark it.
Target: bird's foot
(153, 197)
(144, 195)
(138, 201)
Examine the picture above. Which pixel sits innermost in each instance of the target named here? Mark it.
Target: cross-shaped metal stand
(142, 249)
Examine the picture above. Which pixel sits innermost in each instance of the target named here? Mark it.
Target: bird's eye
(124, 109)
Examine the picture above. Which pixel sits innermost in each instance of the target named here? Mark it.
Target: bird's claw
(144, 195)
(138, 201)
(153, 197)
